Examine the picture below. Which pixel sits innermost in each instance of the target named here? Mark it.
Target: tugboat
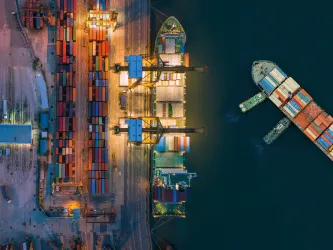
(280, 127)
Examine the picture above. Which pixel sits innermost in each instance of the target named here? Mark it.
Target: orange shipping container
(90, 94)
(302, 120)
(58, 48)
(103, 48)
(103, 94)
(100, 64)
(64, 48)
(74, 94)
(106, 48)
(74, 48)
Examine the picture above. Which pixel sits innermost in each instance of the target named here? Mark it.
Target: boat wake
(258, 146)
(232, 118)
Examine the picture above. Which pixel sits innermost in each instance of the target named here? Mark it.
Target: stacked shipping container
(31, 16)
(299, 107)
(66, 88)
(98, 67)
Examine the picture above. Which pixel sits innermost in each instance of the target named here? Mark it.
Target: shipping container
(312, 111)
(278, 75)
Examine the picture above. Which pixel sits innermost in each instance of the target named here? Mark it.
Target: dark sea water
(249, 196)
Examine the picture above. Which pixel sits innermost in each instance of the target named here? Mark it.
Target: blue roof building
(44, 120)
(15, 134)
(42, 147)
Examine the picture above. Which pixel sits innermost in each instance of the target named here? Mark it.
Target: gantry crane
(152, 64)
(149, 130)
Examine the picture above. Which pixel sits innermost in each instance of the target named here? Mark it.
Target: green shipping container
(64, 83)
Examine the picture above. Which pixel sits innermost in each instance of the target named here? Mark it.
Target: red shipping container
(106, 48)
(74, 6)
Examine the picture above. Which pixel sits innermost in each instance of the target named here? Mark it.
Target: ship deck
(260, 69)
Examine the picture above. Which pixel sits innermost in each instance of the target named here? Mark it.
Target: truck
(4, 193)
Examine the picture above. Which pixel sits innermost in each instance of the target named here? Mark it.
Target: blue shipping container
(281, 72)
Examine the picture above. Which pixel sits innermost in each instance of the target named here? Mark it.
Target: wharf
(252, 102)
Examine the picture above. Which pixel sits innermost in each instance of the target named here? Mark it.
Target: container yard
(295, 103)
(66, 90)
(98, 77)
(34, 15)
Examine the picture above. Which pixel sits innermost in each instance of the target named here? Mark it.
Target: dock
(278, 130)
(252, 102)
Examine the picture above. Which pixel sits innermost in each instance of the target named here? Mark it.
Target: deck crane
(154, 65)
(149, 130)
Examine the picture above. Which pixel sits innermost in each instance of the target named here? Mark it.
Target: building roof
(44, 120)
(15, 134)
(42, 147)
(43, 92)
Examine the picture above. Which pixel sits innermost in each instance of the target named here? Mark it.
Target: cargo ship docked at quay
(170, 179)
(295, 103)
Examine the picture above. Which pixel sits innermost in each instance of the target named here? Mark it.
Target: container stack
(66, 89)
(98, 67)
(173, 144)
(32, 16)
(99, 4)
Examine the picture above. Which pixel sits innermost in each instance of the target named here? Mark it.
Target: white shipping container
(277, 75)
(177, 82)
(283, 93)
(123, 79)
(275, 100)
(162, 77)
(178, 76)
(310, 133)
(171, 143)
(271, 81)
(286, 87)
(293, 84)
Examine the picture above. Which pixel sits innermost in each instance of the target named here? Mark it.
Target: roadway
(81, 112)
(130, 183)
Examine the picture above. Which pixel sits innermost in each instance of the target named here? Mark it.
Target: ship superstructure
(170, 178)
(295, 103)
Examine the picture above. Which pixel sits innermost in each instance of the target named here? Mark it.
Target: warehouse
(15, 134)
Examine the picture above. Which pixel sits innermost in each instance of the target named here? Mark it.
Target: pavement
(131, 182)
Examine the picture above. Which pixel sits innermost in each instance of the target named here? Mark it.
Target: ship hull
(287, 95)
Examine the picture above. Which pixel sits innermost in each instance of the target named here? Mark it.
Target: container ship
(170, 180)
(295, 103)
